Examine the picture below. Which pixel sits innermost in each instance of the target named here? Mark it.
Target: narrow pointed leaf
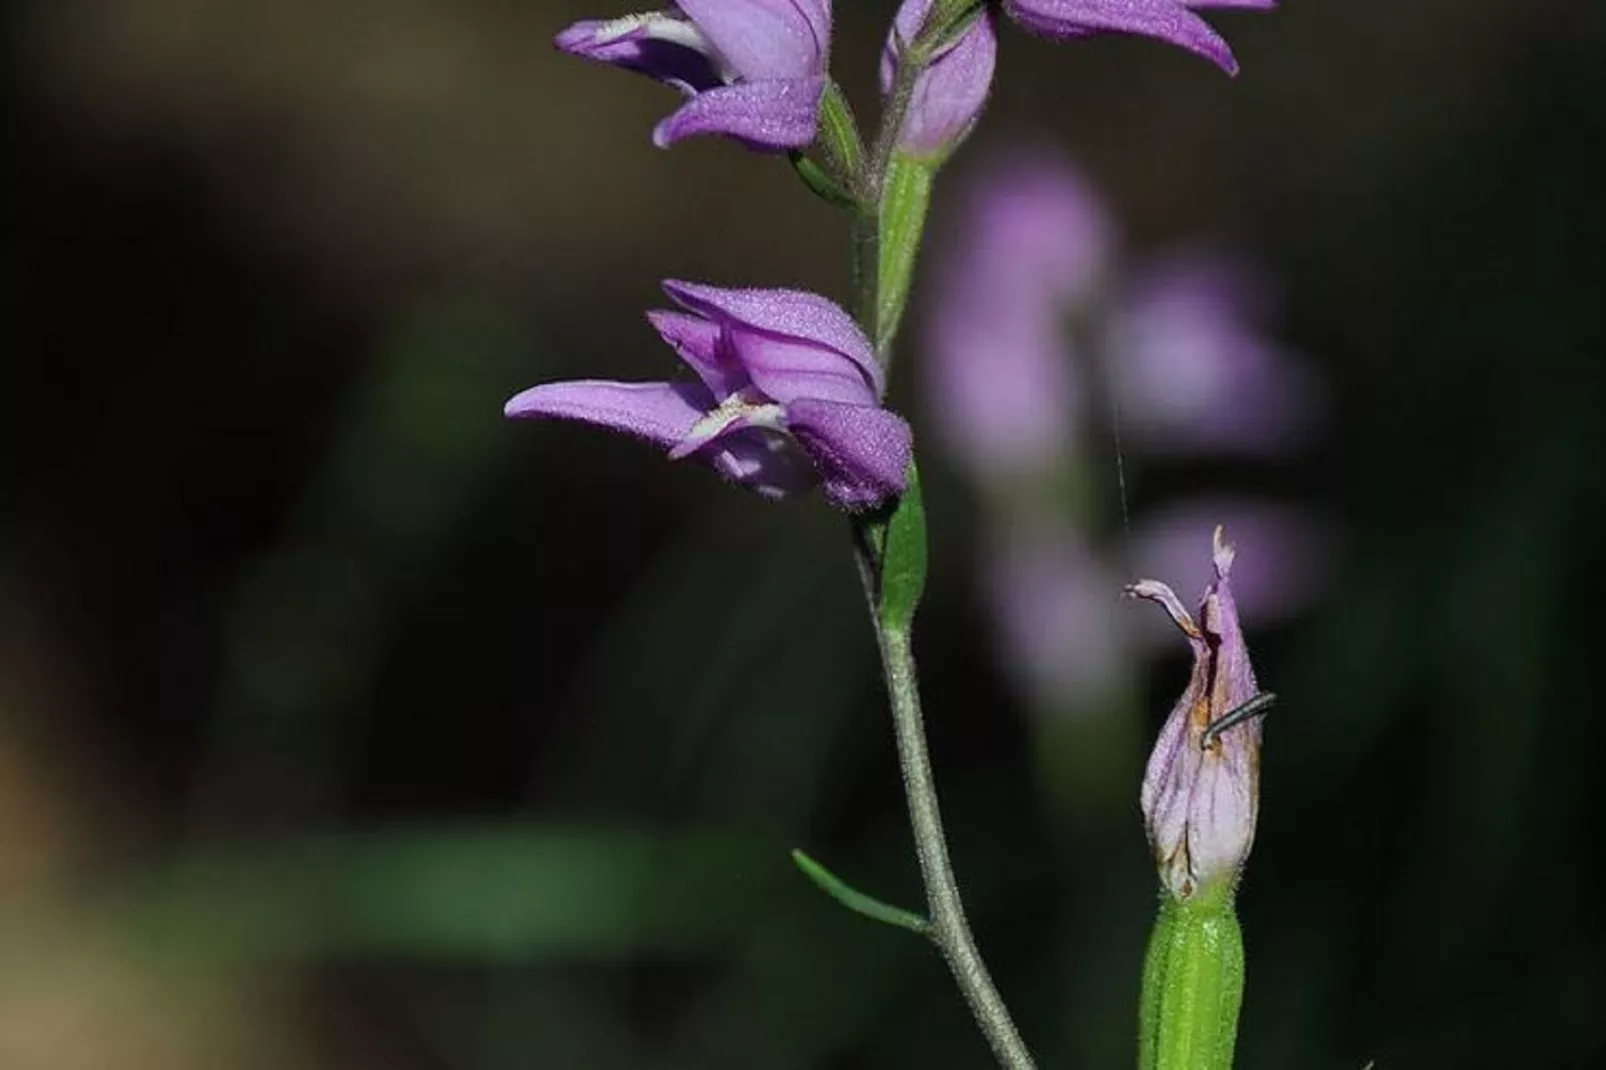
(857, 901)
(903, 558)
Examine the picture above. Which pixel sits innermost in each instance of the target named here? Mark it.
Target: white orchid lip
(754, 71)
(745, 408)
(670, 28)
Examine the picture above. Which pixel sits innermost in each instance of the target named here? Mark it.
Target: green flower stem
(866, 239)
(892, 563)
(1193, 984)
(905, 198)
(949, 929)
(891, 554)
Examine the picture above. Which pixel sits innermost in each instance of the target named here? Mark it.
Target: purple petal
(949, 95)
(1165, 20)
(911, 18)
(1234, 682)
(697, 341)
(1172, 770)
(1224, 807)
(779, 114)
(660, 413)
(766, 39)
(765, 462)
(860, 451)
(1163, 596)
(788, 369)
(834, 349)
(661, 45)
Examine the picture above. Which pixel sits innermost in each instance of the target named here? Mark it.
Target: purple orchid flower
(1201, 793)
(788, 395)
(951, 91)
(754, 70)
(1172, 21)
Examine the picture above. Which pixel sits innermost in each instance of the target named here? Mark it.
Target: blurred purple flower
(1189, 371)
(1201, 797)
(754, 70)
(1172, 21)
(1052, 599)
(788, 394)
(1032, 242)
(950, 92)
(1035, 334)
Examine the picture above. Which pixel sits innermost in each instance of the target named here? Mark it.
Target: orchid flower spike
(754, 70)
(949, 94)
(1172, 21)
(788, 394)
(1201, 791)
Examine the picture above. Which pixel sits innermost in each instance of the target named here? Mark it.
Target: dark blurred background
(344, 725)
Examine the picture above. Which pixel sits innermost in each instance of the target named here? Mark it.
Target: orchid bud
(949, 94)
(1201, 791)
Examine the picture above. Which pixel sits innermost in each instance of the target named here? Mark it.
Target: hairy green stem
(891, 554)
(865, 236)
(949, 930)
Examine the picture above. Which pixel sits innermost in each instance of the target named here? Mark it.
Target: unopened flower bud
(949, 94)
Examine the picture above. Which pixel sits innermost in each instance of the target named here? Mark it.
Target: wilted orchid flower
(949, 94)
(755, 70)
(1201, 791)
(1172, 21)
(788, 395)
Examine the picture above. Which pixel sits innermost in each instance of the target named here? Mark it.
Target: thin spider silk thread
(1120, 470)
